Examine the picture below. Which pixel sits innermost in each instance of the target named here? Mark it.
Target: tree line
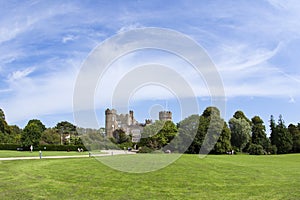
(213, 135)
(207, 132)
(35, 133)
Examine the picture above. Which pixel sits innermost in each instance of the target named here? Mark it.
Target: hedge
(54, 147)
(9, 146)
(47, 147)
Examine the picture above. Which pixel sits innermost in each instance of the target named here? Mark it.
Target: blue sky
(255, 46)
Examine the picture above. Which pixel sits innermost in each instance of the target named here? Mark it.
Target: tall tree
(280, 137)
(211, 134)
(16, 134)
(259, 135)
(187, 130)
(65, 129)
(31, 134)
(240, 133)
(295, 133)
(223, 144)
(38, 122)
(240, 115)
(2, 115)
(50, 136)
(5, 131)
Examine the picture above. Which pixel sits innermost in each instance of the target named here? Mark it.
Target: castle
(128, 124)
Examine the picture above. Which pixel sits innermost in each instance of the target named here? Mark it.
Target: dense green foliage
(295, 134)
(215, 177)
(240, 132)
(259, 136)
(31, 134)
(158, 134)
(256, 149)
(280, 136)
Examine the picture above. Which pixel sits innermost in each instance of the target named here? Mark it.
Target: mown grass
(214, 177)
(8, 153)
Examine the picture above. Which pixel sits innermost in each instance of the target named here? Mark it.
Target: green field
(215, 177)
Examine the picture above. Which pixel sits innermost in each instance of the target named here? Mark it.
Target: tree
(31, 134)
(16, 134)
(2, 116)
(256, 149)
(295, 133)
(38, 122)
(5, 131)
(240, 115)
(158, 135)
(280, 137)
(259, 135)
(187, 129)
(211, 134)
(120, 136)
(240, 133)
(65, 129)
(223, 144)
(50, 136)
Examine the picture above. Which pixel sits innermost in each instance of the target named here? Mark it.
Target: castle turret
(130, 118)
(110, 122)
(165, 115)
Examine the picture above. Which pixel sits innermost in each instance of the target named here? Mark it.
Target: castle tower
(130, 118)
(110, 122)
(165, 115)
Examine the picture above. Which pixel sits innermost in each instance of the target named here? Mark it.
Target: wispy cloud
(20, 74)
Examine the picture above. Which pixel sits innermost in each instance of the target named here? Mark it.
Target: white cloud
(130, 27)
(68, 38)
(20, 74)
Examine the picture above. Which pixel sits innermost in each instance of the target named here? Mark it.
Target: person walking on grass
(31, 148)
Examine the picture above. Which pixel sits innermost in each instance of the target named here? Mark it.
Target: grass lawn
(215, 177)
(7, 153)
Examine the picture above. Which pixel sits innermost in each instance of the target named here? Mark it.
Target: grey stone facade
(128, 124)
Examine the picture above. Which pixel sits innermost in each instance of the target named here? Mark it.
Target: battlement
(165, 115)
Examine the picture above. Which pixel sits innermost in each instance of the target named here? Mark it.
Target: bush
(125, 145)
(9, 146)
(145, 150)
(54, 147)
(256, 149)
(272, 149)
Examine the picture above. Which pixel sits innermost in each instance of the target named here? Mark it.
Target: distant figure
(40, 154)
(168, 151)
(78, 149)
(81, 149)
(232, 152)
(31, 148)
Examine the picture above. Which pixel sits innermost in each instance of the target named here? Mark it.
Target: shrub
(54, 147)
(272, 149)
(256, 149)
(145, 150)
(9, 146)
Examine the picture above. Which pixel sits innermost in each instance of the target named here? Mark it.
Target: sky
(254, 45)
